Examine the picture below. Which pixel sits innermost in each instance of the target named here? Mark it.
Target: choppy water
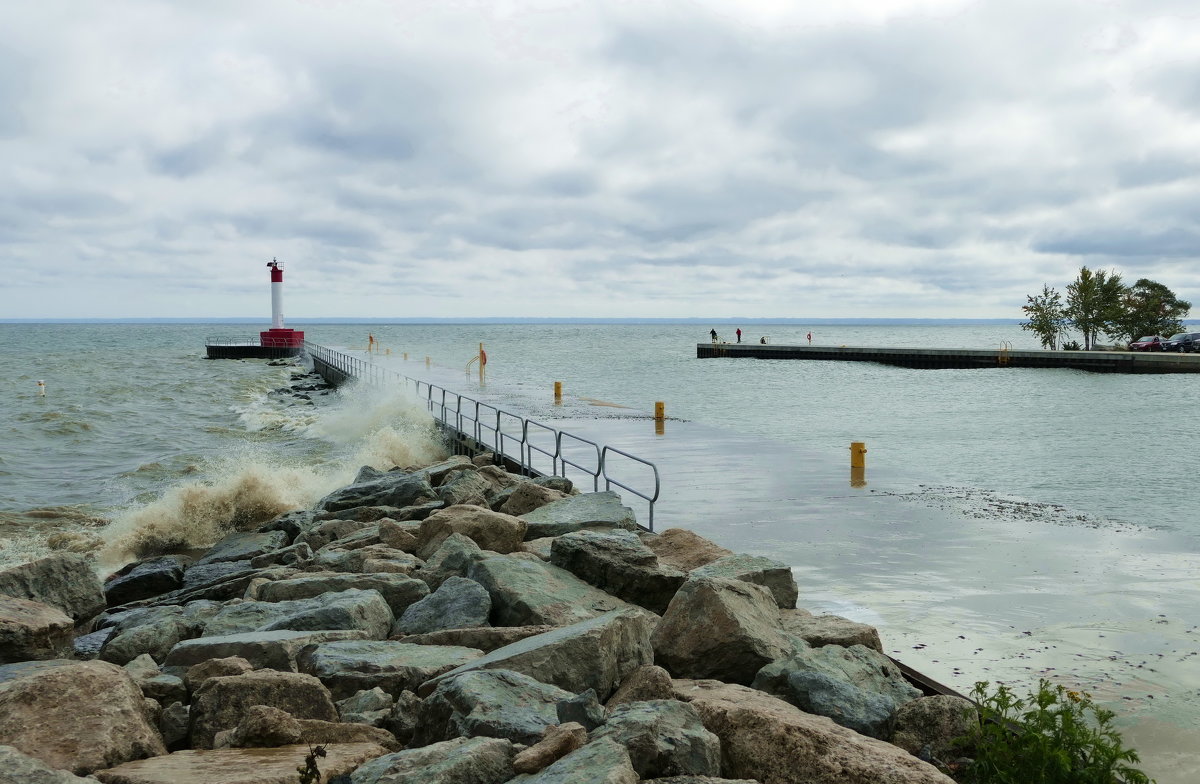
(138, 428)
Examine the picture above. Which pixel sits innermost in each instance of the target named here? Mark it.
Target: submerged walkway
(964, 358)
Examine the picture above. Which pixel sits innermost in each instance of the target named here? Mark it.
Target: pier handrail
(483, 425)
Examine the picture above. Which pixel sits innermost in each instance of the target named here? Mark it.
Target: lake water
(137, 431)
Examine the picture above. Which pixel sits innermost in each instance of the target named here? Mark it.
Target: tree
(1093, 302)
(1147, 308)
(1047, 317)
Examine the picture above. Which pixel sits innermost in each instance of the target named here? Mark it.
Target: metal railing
(537, 448)
(250, 340)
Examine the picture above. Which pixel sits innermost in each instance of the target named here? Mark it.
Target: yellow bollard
(405, 356)
(427, 363)
(660, 411)
(388, 352)
(858, 454)
(41, 388)
(558, 393)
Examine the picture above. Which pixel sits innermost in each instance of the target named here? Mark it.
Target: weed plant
(1054, 736)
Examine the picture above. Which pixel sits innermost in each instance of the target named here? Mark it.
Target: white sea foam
(365, 426)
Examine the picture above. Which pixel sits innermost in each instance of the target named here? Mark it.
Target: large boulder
(77, 716)
(465, 486)
(645, 683)
(618, 563)
(454, 558)
(32, 630)
(491, 703)
(766, 739)
(557, 742)
(156, 630)
(221, 703)
(195, 676)
(720, 628)
(274, 650)
(243, 546)
(458, 603)
(823, 630)
(594, 654)
(599, 762)
(18, 768)
(351, 666)
(857, 687)
(933, 724)
(146, 579)
(365, 611)
(524, 497)
(458, 761)
(391, 489)
(663, 738)
(63, 580)
(241, 766)
(369, 559)
(774, 575)
(398, 590)
(589, 510)
(329, 531)
(683, 549)
(490, 530)
(528, 592)
(483, 638)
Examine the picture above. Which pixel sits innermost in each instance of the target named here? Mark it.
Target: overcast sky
(858, 158)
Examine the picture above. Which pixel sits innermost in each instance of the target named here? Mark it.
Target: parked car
(1148, 343)
(1183, 342)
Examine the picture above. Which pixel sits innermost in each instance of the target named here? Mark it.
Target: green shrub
(1055, 736)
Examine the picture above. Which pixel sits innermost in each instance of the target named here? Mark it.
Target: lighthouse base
(281, 338)
(272, 344)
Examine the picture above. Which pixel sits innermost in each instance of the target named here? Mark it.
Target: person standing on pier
(810, 338)
(739, 334)
(713, 332)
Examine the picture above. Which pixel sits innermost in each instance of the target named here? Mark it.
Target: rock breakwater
(450, 623)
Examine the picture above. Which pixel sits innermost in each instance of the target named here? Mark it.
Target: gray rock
(483, 638)
(292, 523)
(579, 511)
(328, 531)
(530, 592)
(63, 580)
(583, 709)
(683, 549)
(32, 630)
(392, 489)
(774, 575)
(87, 646)
(458, 603)
(599, 762)
(720, 628)
(273, 650)
(173, 726)
(593, 654)
(155, 630)
(364, 611)
(490, 530)
(207, 575)
(697, 780)
(458, 761)
(525, 497)
(364, 560)
(858, 665)
(294, 555)
(195, 676)
(242, 546)
(830, 630)
(401, 721)
(367, 700)
(618, 563)
(351, 666)
(663, 738)
(645, 683)
(437, 473)
(221, 703)
(18, 768)
(145, 579)
(398, 590)
(865, 712)
(454, 558)
(935, 723)
(464, 486)
(490, 703)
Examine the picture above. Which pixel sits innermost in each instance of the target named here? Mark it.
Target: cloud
(905, 158)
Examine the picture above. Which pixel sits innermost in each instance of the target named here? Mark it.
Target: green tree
(1147, 308)
(1047, 317)
(1093, 302)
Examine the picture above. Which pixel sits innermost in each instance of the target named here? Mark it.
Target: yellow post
(558, 393)
(388, 352)
(660, 411)
(482, 362)
(427, 363)
(405, 356)
(858, 454)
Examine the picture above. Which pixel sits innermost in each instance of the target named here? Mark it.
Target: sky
(615, 158)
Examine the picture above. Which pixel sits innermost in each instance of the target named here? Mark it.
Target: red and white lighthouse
(277, 336)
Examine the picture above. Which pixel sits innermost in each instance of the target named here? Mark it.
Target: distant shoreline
(516, 320)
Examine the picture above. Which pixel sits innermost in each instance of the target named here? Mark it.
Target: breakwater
(961, 358)
(450, 617)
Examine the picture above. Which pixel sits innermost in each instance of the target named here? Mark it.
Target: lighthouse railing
(473, 425)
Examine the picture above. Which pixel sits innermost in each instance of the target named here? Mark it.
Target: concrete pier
(964, 358)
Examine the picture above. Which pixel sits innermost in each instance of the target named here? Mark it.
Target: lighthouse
(277, 336)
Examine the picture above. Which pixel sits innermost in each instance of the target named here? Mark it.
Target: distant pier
(965, 358)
